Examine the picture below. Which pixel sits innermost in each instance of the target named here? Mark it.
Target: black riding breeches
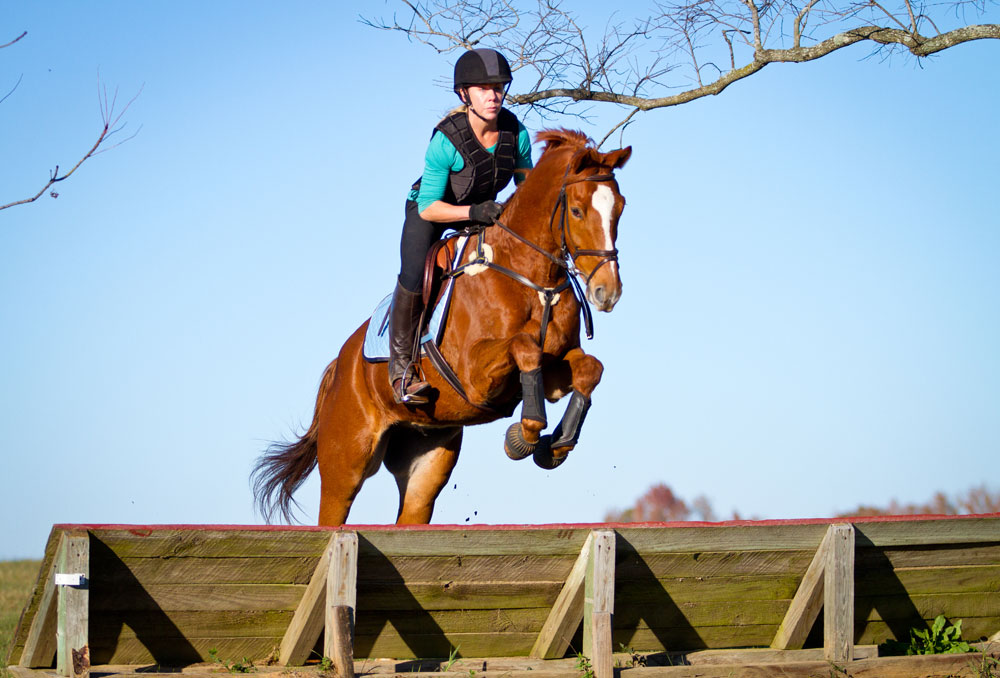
(418, 236)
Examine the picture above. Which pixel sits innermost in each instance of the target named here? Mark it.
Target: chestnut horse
(512, 334)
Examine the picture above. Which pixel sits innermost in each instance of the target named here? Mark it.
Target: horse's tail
(283, 467)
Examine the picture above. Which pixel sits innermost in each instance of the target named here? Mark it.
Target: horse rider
(473, 153)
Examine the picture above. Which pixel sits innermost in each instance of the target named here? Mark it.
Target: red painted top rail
(857, 520)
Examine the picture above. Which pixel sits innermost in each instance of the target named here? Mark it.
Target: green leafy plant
(940, 638)
(245, 665)
(584, 666)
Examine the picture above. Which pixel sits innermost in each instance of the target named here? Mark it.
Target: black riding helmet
(481, 67)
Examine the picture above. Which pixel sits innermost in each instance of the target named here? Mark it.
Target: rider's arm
(442, 158)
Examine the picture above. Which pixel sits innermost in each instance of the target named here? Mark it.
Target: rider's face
(486, 99)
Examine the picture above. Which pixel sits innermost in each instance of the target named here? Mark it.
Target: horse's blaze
(605, 287)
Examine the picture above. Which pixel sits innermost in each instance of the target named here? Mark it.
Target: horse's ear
(587, 157)
(618, 158)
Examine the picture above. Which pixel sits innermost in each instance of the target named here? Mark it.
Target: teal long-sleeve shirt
(442, 158)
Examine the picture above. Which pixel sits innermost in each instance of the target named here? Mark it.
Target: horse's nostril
(599, 294)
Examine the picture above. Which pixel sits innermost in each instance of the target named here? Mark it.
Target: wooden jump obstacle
(113, 598)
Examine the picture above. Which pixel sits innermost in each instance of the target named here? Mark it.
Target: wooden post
(838, 596)
(599, 603)
(72, 581)
(341, 601)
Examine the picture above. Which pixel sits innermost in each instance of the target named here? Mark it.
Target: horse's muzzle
(604, 296)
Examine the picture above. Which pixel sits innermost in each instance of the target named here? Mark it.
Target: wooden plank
(952, 605)
(457, 595)
(183, 651)
(196, 570)
(197, 624)
(341, 600)
(519, 567)
(599, 599)
(665, 613)
(40, 643)
(768, 656)
(838, 596)
(212, 543)
(439, 646)
(642, 638)
(447, 542)
(805, 606)
(707, 589)
(523, 620)
(633, 565)
(307, 623)
(567, 612)
(929, 532)
(946, 555)
(30, 611)
(782, 537)
(177, 597)
(930, 580)
(72, 626)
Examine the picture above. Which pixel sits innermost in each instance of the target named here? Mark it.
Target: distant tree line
(660, 504)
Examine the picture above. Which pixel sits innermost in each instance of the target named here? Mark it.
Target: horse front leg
(521, 439)
(580, 373)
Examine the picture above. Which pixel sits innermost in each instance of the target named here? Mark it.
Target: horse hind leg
(422, 461)
(351, 438)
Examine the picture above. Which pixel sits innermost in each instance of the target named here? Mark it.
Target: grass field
(16, 579)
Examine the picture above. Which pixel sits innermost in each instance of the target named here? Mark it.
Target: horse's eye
(576, 212)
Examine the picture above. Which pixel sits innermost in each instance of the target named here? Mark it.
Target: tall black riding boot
(404, 316)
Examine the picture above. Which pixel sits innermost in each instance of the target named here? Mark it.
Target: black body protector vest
(483, 174)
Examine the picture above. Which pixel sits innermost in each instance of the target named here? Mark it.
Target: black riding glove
(485, 212)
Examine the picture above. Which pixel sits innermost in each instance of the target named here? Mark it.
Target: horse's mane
(554, 138)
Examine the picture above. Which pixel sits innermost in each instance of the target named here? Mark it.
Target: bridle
(566, 259)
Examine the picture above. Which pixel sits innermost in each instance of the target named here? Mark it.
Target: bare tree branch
(14, 40)
(111, 126)
(662, 60)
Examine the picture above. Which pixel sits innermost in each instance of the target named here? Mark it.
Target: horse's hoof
(515, 445)
(543, 454)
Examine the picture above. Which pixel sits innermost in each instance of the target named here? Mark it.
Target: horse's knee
(587, 374)
(526, 352)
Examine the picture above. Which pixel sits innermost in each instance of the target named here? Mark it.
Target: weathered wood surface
(805, 605)
(422, 593)
(838, 596)
(341, 602)
(73, 621)
(310, 617)
(566, 614)
(939, 666)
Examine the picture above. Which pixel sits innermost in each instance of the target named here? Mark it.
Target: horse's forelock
(554, 138)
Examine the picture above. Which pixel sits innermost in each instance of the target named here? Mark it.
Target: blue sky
(811, 307)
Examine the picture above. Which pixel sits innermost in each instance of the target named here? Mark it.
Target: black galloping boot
(404, 316)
